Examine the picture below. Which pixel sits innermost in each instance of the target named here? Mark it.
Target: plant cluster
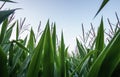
(27, 58)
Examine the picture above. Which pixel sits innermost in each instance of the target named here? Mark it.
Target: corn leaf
(62, 57)
(111, 60)
(5, 13)
(80, 49)
(110, 56)
(17, 51)
(3, 30)
(99, 44)
(17, 30)
(66, 63)
(8, 1)
(8, 33)
(31, 41)
(48, 58)
(54, 40)
(35, 62)
(82, 62)
(3, 64)
(24, 67)
(20, 45)
(101, 7)
(11, 53)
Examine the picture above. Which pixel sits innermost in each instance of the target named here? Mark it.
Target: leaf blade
(101, 7)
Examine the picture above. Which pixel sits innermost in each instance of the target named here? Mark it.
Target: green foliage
(48, 58)
(108, 59)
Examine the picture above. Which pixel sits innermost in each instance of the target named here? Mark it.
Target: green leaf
(111, 60)
(101, 7)
(81, 49)
(11, 52)
(24, 66)
(48, 56)
(62, 57)
(3, 64)
(5, 13)
(8, 33)
(17, 30)
(15, 61)
(17, 51)
(106, 62)
(8, 1)
(3, 30)
(66, 63)
(82, 62)
(54, 40)
(20, 45)
(35, 62)
(31, 41)
(99, 44)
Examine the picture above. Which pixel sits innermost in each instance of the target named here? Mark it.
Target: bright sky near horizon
(67, 14)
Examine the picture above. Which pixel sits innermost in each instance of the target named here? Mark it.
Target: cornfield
(48, 58)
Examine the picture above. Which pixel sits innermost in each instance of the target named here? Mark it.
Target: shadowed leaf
(108, 59)
(4, 14)
(3, 64)
(8, 1)
(101, 7)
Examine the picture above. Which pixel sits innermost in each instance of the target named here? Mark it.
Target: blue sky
(67, 14)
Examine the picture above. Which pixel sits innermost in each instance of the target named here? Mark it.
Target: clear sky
(67, 14)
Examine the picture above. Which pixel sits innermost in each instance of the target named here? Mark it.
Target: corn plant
(24, 57)
(95, 61)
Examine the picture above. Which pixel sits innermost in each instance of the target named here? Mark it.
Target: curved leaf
(20, 45)
(4, 14)
(101, 7)
(8, 1)
(108, 59)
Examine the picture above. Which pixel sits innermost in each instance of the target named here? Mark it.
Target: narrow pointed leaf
(48, 57)
(4, 14)
(17, 30)
(80, 49)
(8, 1)
(54, 39)
(31, 41)
(62, 57)
(35, 62)
(8, 33)
(101, 7)
(3, 30)
(99, 44)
